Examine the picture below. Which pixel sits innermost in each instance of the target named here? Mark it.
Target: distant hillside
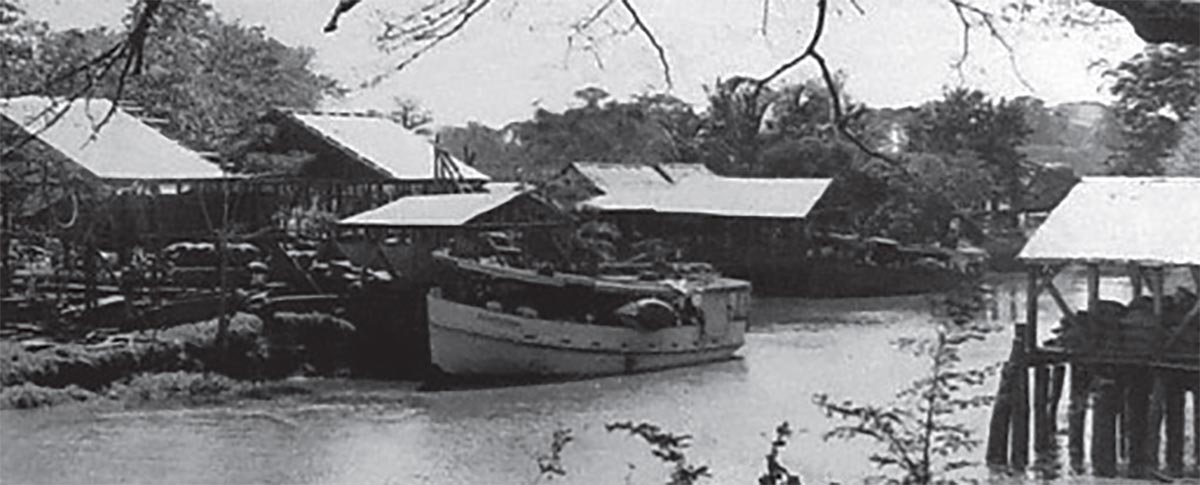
(1081, 135)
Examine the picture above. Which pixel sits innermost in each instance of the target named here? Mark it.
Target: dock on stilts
(1132, 359)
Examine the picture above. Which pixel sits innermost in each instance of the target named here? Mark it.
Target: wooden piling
(1104, 444)
(1174, 396)
(1058, 376)
(1077, 414)
(1195, 425)
(1019, 423)
(1138, 407)
(1155, 412)
(1041, 406)
(998, 427)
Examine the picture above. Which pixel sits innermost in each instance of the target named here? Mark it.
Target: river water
(363, 432)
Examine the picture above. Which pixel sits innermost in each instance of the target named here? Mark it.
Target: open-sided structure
(1138, 356)
(68, 159)
(405, 231)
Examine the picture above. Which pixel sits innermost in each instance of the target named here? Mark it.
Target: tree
(966, 123)
(1185, 158)
(775, 131)
(409, 113)
(644, 129)
(919, 434)
(1156, 92)
(206, 76)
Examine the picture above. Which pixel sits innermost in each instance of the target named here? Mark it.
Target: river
(366, 432)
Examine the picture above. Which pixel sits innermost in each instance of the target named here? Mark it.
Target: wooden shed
(1136, 357)
(408, 229)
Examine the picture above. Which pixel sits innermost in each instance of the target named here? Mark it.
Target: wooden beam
(1135, 280)
(1063, 307)
(1093, 287)
(1158, 287)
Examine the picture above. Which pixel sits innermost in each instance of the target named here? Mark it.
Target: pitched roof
(443, 210)
(123, 148)
(680, 171)
(1123, 219)
(720, 196)
(382, 143)
(614, 177)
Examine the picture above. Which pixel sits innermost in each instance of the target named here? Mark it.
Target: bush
(176, 385)
(28, 396)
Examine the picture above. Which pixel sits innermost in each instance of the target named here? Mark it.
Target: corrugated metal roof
(1123, 219)
(611, 177)
(124, 148)
(617, 177)
(381, 142)
(720, 196)
(680, 171)
(445, 210)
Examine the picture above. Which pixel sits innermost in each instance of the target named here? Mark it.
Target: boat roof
(666, 287)
(1145, 220)
(121, 148)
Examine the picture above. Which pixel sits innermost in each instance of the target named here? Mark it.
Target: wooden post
(1156, 395)
(1174, 411)
(1138, 407)
(1019, 424)
(1124, 418)
(1058, 376)
(1093, 287)
(1104, 445)
(1196, 426)
(1041, 406)
(89, 273)
(1002, 406)
(998, 429)
(1077, 414)
(1135, 280)
(1031, 310)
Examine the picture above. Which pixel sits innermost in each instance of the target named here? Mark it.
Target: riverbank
(183, 362)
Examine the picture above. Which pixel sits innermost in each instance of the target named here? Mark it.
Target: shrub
(28, 396)
(176, 385)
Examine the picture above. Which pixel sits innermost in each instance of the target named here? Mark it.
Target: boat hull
(468, 341)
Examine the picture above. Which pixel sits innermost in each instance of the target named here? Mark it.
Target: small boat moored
(492, 320)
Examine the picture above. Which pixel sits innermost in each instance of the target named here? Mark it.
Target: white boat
(499, 321)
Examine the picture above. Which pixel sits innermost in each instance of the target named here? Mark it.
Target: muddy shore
(183, 362)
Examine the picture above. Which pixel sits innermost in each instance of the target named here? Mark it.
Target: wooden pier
(1132, 362)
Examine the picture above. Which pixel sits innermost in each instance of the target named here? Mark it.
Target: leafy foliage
(550, 464)
(765, 131)
(966, 124)
(206, 76)
(776, 473)
(1156, 92)
(667, 447)
(919, 436)
(1184, 159)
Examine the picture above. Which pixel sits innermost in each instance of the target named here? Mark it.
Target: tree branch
(962, 8)
(662, 54)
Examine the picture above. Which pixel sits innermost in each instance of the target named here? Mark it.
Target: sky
(515, 56)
